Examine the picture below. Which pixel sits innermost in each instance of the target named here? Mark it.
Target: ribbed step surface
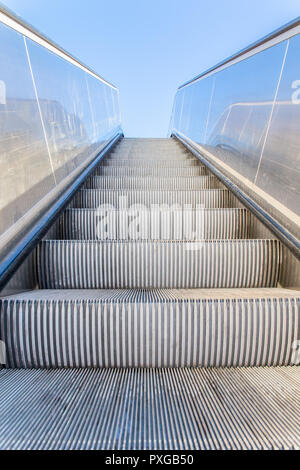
(150, 171)
(156, 328)
(147, 183)
(208, 198)
(237, 408)
(155, 152)
(154, 224)
(146, 292)
(150, 163)
(163, 264)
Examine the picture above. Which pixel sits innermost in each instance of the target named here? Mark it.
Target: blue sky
(149, 47)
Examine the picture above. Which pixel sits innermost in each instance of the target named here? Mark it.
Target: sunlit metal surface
(248, 116)
(179, 408)
(53, 117)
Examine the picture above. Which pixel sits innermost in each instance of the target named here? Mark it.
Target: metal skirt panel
(149, 332)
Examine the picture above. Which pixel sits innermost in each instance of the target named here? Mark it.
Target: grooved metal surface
(224, 408)
(150, 163)
(155, 171)
(154, 154)
(154, 224)
(162, 264)
(104, 305)
(149, 329)
(148, 183)
(93, 198)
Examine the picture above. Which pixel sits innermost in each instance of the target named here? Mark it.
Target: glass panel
(25, 168)
(199, 104)
(99, 105)
(178, 109)
(105, 109)
(244, 128)
(79, 113)
(279, 172)
(241, 108)
(65, 105)
(186, 117)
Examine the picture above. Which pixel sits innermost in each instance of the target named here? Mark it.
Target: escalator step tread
(210, 408)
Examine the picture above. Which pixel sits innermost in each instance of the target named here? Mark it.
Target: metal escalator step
(156, 149)
(114, 182)
(117, 409)
(161, 264)
(150, 171)
(141, 144)
(154, 224)
(151, 156)
(150, 163)
(210, 198)
(150, 328)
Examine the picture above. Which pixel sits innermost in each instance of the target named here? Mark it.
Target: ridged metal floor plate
(236, 408)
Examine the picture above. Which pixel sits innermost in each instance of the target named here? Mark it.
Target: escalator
(160, 320)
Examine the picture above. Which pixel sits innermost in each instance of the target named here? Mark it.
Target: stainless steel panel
(25, 167)
(279, 172)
